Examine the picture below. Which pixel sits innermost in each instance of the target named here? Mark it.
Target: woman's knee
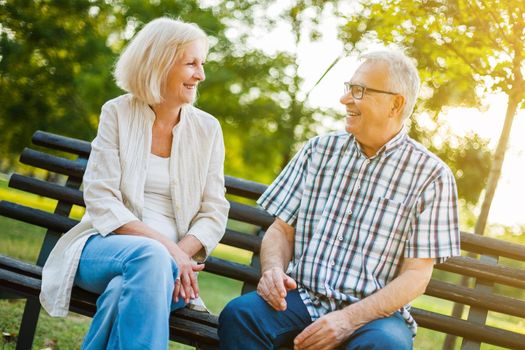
(152, 260)
(111, 295)
(152, 252)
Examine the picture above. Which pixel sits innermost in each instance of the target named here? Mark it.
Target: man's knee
(389, 333)
(238, 310)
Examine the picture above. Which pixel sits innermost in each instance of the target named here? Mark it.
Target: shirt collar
(389, 147)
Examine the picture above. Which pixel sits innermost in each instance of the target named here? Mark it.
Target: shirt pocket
(383, 228)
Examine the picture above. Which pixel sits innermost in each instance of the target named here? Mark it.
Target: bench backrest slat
(473, 297)
(491, 246)
(466, 329)
(53, 163)
(47, 189)
(474, 268)
(62, 143)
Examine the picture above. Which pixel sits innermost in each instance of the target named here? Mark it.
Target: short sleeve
(283, 197)
(434, 230)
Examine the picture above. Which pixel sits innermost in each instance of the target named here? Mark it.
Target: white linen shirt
(114, 187)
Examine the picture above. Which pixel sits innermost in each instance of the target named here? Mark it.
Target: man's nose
(347, 98)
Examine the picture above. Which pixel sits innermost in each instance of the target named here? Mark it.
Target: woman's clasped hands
(186, 284)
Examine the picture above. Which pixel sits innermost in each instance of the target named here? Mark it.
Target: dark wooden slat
(492, 246)
(473, 297)
(244, 188)
(20, 267)
(36, 217)
(53, 163)
(197, 316)
(61, 143)
(242, 240)
(462, 328)
(475, 268)
(47, 189)
(232, 270)
(249, 214)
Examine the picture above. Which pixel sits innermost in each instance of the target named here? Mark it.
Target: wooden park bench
(495, 278)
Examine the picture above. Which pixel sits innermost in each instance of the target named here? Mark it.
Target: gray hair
(142, 68)
(403, 76)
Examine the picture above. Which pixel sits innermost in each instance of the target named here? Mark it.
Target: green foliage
(53, 66)
(468, 157)
(56, 59)
(463, 49)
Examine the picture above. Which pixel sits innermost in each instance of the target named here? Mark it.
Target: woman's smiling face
(186, 73)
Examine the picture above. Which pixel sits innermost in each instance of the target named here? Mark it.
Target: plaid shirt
(356, 218)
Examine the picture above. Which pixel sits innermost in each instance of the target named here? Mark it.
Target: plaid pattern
(356, 218)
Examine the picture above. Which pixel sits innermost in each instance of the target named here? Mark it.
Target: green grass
(23, 242)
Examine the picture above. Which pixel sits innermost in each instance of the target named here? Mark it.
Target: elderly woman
(154, 193)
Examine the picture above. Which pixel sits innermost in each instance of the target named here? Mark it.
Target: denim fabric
(135, 277)
(248, 322)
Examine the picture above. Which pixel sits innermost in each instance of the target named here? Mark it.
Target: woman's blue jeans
(248, 322)
(135, 277)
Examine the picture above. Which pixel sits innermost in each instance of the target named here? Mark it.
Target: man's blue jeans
(248, 322)
(135, 276)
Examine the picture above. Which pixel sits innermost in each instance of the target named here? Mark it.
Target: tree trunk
(490, 190)
(495, 170)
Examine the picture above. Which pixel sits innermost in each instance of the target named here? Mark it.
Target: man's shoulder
(426, 157)
(330, 142)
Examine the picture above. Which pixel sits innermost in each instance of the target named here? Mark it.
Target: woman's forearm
(189, 244)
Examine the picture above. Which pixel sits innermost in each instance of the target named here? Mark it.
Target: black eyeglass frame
(348, 88)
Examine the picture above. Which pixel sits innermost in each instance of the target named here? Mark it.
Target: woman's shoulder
(122, 101)
(204, 119)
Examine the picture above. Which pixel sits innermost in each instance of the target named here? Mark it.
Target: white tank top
(158, 208)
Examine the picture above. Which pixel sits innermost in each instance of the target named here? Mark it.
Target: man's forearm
(410, 284)
(277, 246)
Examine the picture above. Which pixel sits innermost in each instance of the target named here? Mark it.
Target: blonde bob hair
(142, 68)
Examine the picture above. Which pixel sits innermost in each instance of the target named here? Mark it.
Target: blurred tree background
(56, 60)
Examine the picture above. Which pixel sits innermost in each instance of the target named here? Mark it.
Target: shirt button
(332, 263)
(340, 238)
(349, 212)
(358, 187)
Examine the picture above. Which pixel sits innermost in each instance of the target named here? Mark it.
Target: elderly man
(361, 218)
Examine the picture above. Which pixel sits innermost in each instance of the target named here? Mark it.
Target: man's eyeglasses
(358, 91)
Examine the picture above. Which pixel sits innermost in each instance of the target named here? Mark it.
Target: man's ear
(398, 104)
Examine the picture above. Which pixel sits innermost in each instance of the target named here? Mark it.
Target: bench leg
(27, 331)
